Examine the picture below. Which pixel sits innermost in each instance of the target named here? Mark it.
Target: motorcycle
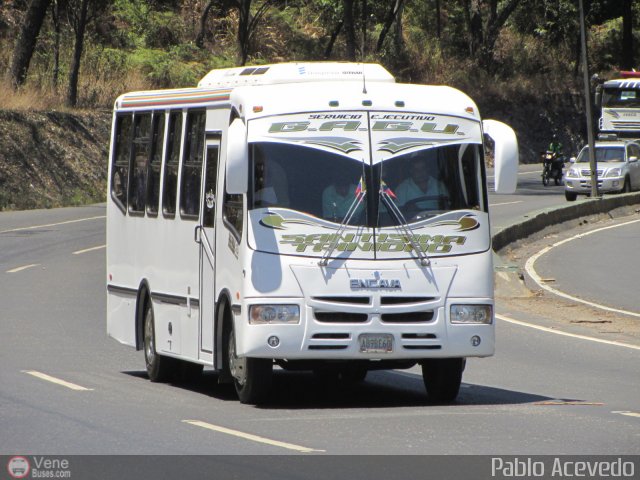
(552, 164)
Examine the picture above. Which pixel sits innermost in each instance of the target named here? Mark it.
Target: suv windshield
(603, 154)
(422, 183)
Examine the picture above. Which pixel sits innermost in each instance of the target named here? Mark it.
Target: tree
(203, 24)
(484, 22)
(26, 42)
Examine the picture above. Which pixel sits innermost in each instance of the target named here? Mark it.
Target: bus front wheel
(159, 368)
(251, 376)
(442, 378)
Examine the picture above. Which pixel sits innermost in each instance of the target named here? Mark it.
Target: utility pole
(587, 101)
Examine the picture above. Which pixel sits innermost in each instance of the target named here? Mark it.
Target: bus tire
(442, 378)
(159, 367)
(251, 376)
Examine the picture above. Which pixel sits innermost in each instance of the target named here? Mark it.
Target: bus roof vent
(295, 73)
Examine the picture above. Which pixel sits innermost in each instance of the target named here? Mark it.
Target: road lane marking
(57, 381)
(529, 267)
(505, 203)
(24, 267)
(627, 413)
(253, 438)
(566, 334)
(99, 247)
(570, 402)
(520, 173)
(34, 227)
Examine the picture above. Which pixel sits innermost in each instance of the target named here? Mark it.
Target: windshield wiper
(402, 221)
(361, 191)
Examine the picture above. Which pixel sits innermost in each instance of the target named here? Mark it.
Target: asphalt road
(540, 394)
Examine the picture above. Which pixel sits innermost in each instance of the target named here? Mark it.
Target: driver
(422, 181)
(337, 198)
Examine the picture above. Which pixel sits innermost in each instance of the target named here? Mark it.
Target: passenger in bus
(423, 181)
(271, 185)
(337, 198)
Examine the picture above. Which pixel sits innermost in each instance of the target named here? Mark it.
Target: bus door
(205, 235)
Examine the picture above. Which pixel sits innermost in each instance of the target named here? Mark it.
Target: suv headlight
(263, 314)
(573, 173)
(614, 172)
(477, 314)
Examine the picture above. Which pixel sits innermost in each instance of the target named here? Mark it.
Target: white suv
(617, 166)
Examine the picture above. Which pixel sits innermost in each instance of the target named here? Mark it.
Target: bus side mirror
(598, 96)
(506, 155)
(237, 171)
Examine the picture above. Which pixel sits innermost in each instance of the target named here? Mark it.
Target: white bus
(619, 103)
(311, 216)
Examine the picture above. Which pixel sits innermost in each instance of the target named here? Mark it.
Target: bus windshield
(327, 185)
(621, 98)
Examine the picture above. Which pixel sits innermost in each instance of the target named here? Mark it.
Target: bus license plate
(376, 343)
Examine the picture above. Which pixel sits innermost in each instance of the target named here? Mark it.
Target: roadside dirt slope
(50, 159)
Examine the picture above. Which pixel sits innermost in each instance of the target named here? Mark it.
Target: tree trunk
(627, 35)
(349, 29)
(203, 24)
(332, 40)
(56, 43)
(26, 42)
(395, 6)
(399, 33)
(438, 21)
(244, 20)
(72, 95)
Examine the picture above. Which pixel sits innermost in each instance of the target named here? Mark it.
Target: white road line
(505, 203)
(628, 414)
(249, 436)
(566, 334)
(34, 227)
(529, 267)
(520, 173)
(24, 267)
(99, 247)
(57, 381)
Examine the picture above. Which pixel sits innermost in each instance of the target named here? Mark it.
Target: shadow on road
(381, 389)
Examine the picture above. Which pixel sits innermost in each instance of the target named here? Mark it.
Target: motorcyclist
(555, 146)
(553, 161)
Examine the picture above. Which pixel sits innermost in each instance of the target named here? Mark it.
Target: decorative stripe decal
(121, 290)
(175, 98)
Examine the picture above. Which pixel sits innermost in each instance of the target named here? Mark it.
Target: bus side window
(192, 165)
(120, 168)
(139, 162)
(210, 182)
(232, 213)
(170, 186)
(155, 164)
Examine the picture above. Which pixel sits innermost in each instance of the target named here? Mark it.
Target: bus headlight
(263, 314)
(478, 314)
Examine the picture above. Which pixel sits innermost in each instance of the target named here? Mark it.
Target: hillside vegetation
(518, 59)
